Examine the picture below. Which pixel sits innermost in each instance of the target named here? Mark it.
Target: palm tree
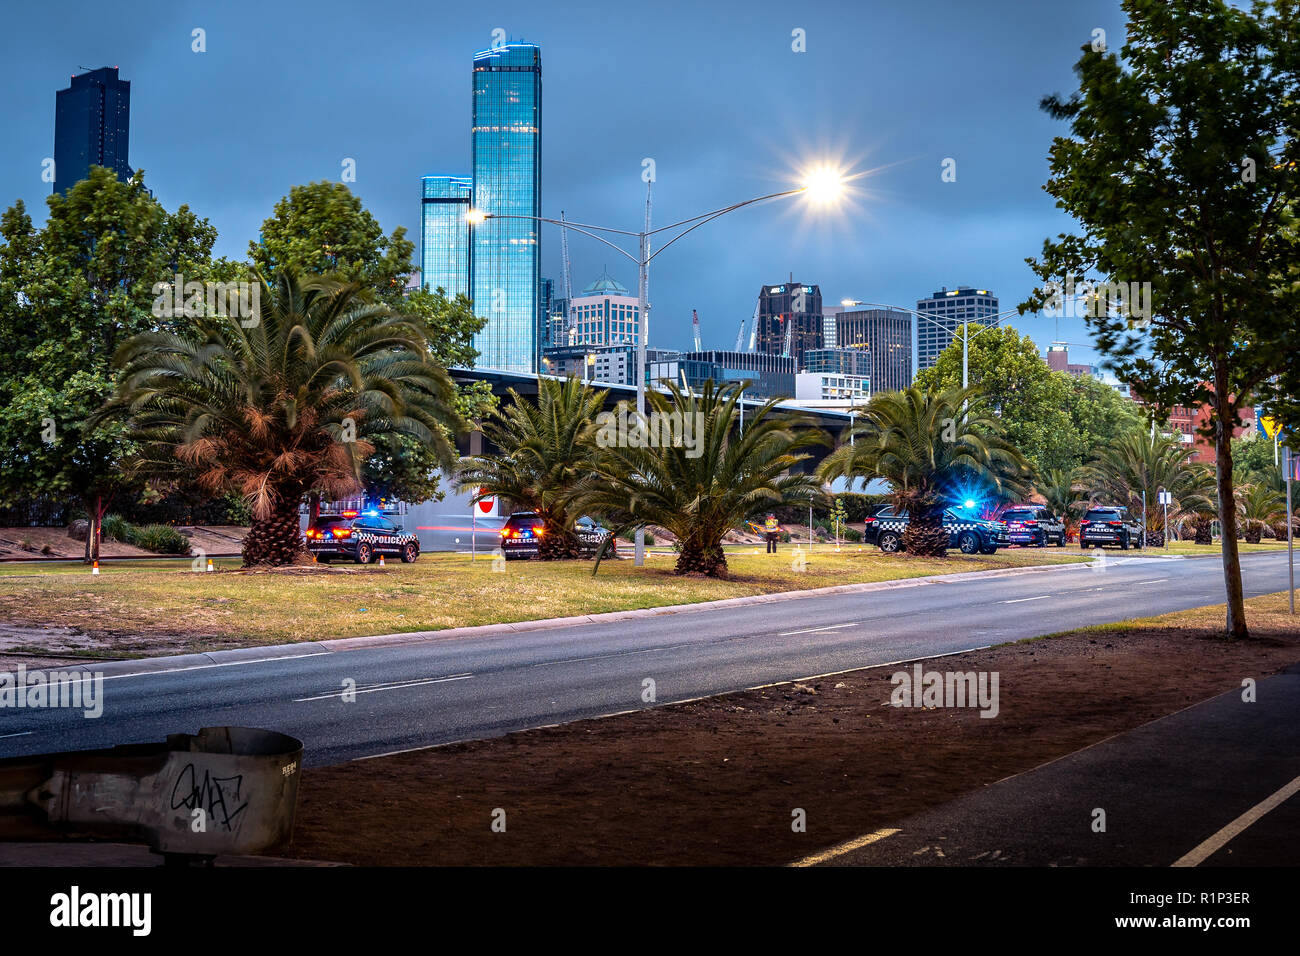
(930, 449)
(1259, 506)
(711, 482)
(285, 406)
(545, 449)
(1142, 461)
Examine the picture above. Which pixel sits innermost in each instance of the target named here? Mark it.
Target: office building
(505, 274)
(1058, 360)
(92, 121)
(947, 311)
(855, 361)
(768, 375)
(886, 334)
(793, 311)
(444, 233)
(605, 313)
(829, 312)
(608, 365)
(832, 387)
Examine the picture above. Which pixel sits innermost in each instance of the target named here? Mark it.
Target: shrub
(116, 528)
(161, 539)
(852, 534)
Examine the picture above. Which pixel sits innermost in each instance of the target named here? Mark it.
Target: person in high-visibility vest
(773, 529)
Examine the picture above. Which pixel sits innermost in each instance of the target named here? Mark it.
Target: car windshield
(1022, 515)
(1097, 514)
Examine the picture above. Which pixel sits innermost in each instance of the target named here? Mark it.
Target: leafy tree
(930, 453)
(1054, 419)
(285, 406)
(1181, 170)
(544, 451)
(1253, 459)
(699, 491)
(70, 293)
(323, 229)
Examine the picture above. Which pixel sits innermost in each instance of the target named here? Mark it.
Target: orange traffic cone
(95, 567)
(381, 560)
(210, 567)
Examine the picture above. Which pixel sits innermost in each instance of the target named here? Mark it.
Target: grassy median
(135, 608)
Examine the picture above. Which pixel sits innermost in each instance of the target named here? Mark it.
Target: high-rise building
(829, 312)
(444, 233)
(887, 335)
(794, 305)
(505, 273)
(1058, 360)
(92, 122)
(948, 310)
(545, 307)
(605, 313)
(855, 361)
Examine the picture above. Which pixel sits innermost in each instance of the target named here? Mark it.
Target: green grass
(135, 605)
(1192, 548)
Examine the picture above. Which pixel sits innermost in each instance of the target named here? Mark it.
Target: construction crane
(569, 320)
(740, 336)
(789, 336)
(753, 331)
(695, 328)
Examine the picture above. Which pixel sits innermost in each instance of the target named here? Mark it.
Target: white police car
(968, 534)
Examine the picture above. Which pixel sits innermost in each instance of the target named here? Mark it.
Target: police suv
(1035, 525)
(971, 535)
(361, 536)
(1109, 525)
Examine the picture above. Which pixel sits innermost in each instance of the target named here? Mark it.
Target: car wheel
(1060, 540)
(410, 552)
(890, 542)
(989, 549)
(1123, 541)
(968, 542)
(364, 554)
(1083, 545)
(1042, 541)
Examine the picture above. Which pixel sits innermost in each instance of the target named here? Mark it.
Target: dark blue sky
(712, 92)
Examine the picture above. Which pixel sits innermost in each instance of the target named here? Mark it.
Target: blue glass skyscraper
(505, 270)
(444, 233)
(92, 126)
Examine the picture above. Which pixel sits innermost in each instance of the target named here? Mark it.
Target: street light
(823, 184)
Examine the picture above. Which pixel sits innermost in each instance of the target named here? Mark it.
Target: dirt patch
(714, 782)
(28, 543)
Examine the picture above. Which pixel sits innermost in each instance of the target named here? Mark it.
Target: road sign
(487, 504)
(1166, 498)
(1270, 426)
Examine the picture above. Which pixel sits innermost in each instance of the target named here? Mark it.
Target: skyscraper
(505, 273)
(949, 310)
(444, 233)
(887, 336)
(92, 120)
(791, 304)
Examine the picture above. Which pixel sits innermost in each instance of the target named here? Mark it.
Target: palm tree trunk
(557, 543)
(698, 558)
(277, 539)
(925, 534)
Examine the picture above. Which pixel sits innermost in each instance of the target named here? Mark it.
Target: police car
(971, 535)
(522, 533)
(361, 536)
(1109, 525)
(1034, 524)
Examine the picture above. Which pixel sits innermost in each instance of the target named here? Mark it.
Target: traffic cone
(210, 567)
(95, 568)
(381, 560)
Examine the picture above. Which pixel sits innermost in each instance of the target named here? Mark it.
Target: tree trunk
(697, 558)
(557, 543)
(95, 508)
(1236, 616)
(276, 540)
(925, 534)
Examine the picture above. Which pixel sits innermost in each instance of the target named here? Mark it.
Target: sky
(714, 93)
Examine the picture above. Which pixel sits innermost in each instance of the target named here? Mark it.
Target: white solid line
(1156, 581)
(25, 733)
(400, 685)
(201, 667)
(812, 630)
(1215, 843)
(843, 848)
(1041, 597)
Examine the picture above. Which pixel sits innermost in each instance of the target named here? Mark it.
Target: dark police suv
(361, 536)
(521, 535)
(1105, 525)
(971, 535)
(1035, 525)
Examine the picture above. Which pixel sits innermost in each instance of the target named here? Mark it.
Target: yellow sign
(1269, 426)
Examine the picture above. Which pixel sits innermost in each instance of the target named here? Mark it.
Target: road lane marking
(849, 847)
(1156, 581)
(813, 630)
(1041, 597)
(1215, 843)
(395, 685)
(25, 733)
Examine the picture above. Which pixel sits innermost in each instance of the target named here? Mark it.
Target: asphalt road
(443, 691)
(1217, 784)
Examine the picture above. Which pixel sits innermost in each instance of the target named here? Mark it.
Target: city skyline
(908, 233)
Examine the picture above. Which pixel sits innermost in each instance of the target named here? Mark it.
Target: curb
(244, 655)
